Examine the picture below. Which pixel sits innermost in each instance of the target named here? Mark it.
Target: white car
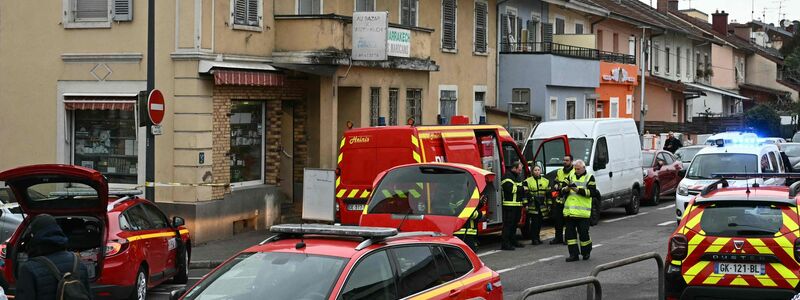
(728, 158)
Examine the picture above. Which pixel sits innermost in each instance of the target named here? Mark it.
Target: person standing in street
(469, 232)
(556, 212)
(538, 188)
(672, 144)
(48, 254)
(577, 210)
(513, 193)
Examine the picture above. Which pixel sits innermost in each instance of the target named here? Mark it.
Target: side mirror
(178, 222)
(682, 173)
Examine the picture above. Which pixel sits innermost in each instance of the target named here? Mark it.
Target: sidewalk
(210, 255)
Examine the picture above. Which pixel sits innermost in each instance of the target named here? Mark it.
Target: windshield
(554, 153)
(647, 159)
(423, 191)
(686, 154)
(704, 165)
(740, 218)
(791, 150)
(278, 275)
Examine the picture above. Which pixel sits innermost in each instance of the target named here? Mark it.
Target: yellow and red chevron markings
(783, 274)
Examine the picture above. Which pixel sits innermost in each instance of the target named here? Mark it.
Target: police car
(728, 155)
(736, 243)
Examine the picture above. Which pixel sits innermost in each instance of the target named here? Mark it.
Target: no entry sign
(156, 107)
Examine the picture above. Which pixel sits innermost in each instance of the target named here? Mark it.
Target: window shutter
(532, 33)
(240, 12)
(315, 7)
(91, 9)
(449, 24)
(252, 12)
(123, 10)
(480, 27)
(547, 33)
(504, 32)
(518, 32)
(405, 12)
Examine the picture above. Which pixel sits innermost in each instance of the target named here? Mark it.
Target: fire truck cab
(366, 152)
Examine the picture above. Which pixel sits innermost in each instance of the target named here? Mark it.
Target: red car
(127, 244)
(313, 261)
(660, 169)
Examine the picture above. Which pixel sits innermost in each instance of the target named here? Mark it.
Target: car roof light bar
(713, 187)
(324, 229)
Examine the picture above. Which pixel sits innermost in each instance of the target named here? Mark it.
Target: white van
(611, 149)
(731, 157)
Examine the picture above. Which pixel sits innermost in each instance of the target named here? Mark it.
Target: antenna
(410, 211)
(746, 180)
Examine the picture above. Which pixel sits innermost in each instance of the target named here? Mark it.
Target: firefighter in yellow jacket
(557, 208)
(469, 232)
(538, 188)
(577, 210)
(513, 199)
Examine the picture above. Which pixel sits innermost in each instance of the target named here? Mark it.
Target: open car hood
(58, 189)
(437, 197)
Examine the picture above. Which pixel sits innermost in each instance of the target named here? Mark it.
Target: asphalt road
(617, 236)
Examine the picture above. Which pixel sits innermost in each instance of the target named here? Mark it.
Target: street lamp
(510, 106)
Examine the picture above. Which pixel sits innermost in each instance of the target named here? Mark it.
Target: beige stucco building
(255, 92)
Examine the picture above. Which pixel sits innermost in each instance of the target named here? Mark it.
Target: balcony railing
(566, 50)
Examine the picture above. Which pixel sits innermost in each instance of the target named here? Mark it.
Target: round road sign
(156, 107)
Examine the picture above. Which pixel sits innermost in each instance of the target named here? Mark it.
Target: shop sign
(399, 44)
(370, 31)
(619, 75)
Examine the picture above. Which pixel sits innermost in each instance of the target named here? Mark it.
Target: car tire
(182, 277)
(655, 199)
(140, 285)
(594, 217)
(633, 206)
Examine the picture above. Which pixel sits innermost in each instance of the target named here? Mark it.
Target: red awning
(99, 103)
(247, 78)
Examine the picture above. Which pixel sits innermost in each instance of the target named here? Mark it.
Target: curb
(205, 264)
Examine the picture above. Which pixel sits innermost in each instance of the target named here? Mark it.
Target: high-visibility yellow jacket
(578, 203)
(538, 189)
(512, 190)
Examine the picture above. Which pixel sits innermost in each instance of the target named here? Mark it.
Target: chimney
(719, 21)
(743, 31)
(667, 5)
(673, 5)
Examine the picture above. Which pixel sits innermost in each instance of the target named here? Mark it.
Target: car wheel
(633, 207)
(656, 198)
(140, 286)
(594, 218)
(182, 277)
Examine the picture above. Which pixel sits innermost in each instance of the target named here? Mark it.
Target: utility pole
(642, 64)
(150, 153)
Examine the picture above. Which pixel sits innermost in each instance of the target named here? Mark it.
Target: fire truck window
(417, 269)
(423, 191)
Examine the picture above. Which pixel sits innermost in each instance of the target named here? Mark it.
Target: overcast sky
(739, 10)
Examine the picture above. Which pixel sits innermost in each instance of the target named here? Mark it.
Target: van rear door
(461, 147)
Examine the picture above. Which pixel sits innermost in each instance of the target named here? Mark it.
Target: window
(699, 61)
(600, 109)
(628, 104)
(678, 61)
(509, 156)
(372, 278)
(309, 7)
(578, 28)
(408, 12)
(666, 53)
(88, 11)
(533, 26)
(688, 62)
(614, 108)
(461, 263)
(519, 134)
(481, 28)
(155, 217)
(247, 12)
(553, 108)
(136, 219)
(393, 106)
(632, 45)
(600, 154)
(104, 137)
(480, 106)
(521, 96)
(449, 25)
(442, 265)
(570, 108)
(668, 158)
(615, 39)
(656, 57)
(416, 269)
(560, 25)
(447, 105)
(590, 109)
(247, 140)
(365, 5)
(414, 105)
(741, 219)
(600, 45)
(511, 27)
(374, 106)
(674, 107)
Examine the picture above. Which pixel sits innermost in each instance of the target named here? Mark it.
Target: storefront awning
(100, 102)
(716, 90)
(242, 73)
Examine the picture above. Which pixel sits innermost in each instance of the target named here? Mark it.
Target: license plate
(739, 268)
(355, 207)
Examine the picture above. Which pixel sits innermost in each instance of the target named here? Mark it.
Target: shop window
(365, 5)
(414, 105)
(408, 12)
(309, 7)
(393, 106)
(447, 105)
(104, 136)
(571, 109)
(374, 105)
(247, 142)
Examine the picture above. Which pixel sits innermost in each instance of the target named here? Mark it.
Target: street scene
(400, 149)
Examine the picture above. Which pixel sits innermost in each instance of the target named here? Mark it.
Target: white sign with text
(399, 44)
(369, 35)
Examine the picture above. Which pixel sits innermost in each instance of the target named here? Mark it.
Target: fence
(566, 50)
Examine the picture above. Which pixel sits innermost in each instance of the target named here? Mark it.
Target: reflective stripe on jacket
(471, 227)
(511, 190)
(577, 205)
(538, 189)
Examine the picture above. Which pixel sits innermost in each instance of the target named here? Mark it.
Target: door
(371, 278)
(666, 172)
(550, 153)
(162, 244)
(287, 150)
(139, 226)
(419, 274)
(461, 147)
(602, 168)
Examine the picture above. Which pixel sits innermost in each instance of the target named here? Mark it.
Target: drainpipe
(497, 55)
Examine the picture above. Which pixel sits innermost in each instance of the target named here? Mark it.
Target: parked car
(127, 243)
(796, 137)
(610, 148)
(686, 154)
(660, 170)
(312, 261)
(792, 150)
(10, 213)
(772, 140)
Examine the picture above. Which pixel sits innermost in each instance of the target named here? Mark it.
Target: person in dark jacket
(672, 144)
(36, 281)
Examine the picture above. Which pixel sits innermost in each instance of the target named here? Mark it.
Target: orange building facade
(618, 83)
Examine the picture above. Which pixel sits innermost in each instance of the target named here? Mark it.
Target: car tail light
(796, 249)
(678, 247)
(116, 247)
(3, 250)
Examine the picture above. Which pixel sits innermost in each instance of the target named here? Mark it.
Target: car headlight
(683, 190)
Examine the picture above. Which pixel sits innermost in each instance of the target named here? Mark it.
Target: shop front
(616, 92)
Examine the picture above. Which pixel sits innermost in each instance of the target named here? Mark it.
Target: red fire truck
(365, 152)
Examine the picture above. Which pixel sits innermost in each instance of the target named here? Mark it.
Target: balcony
(549, 48)
(617, 58)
